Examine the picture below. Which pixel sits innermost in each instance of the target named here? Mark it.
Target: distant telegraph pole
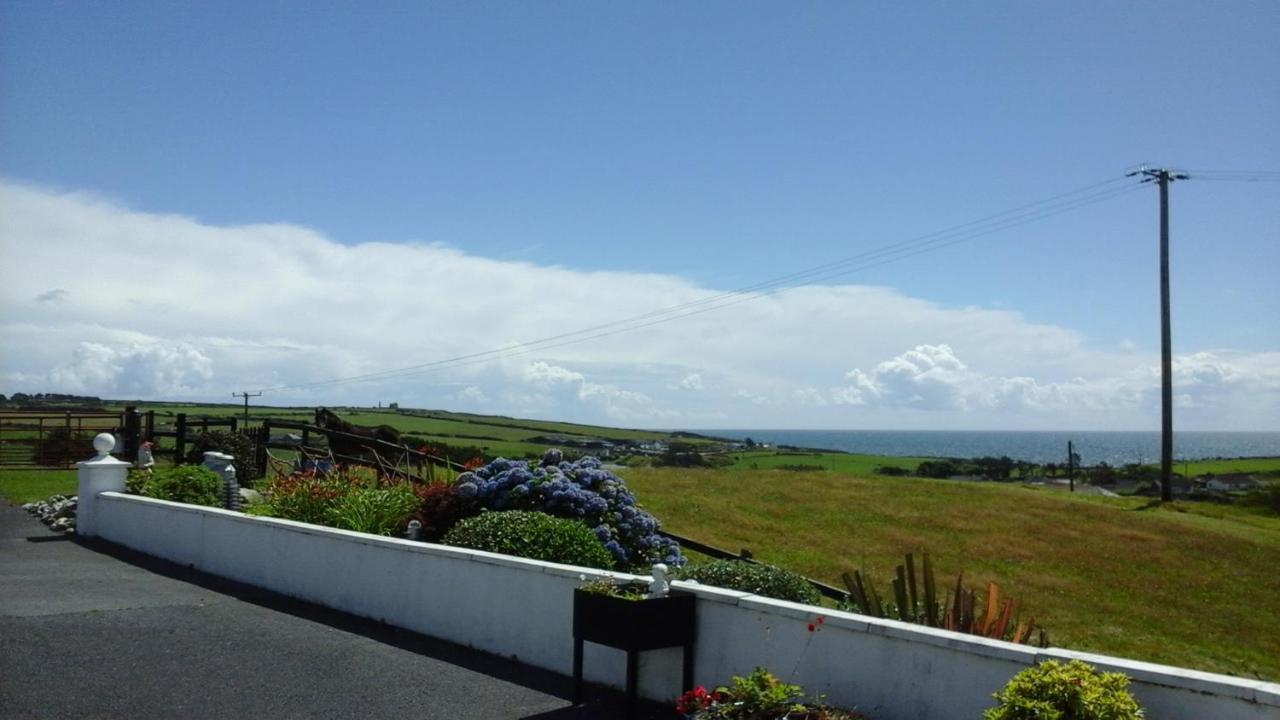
(1071, 466)
(1163, 177)
(246, 395)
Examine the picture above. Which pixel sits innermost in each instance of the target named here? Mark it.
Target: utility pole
(246, 395)
(1071, 466)
(1163, 177)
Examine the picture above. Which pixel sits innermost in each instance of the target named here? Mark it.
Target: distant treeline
(39, 401)
(1006, 468)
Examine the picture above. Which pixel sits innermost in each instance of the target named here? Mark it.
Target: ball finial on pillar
(103, 443)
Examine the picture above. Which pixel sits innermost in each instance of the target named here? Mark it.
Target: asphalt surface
(91, 630)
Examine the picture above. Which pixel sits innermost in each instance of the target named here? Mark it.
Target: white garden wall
(523, 609)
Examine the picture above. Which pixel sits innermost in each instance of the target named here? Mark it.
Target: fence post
(132, 430)
(180, 439)
(102, 473)
(151, 425)
(67, 443)
(233, 424)
(260, 450)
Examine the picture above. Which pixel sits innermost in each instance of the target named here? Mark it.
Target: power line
(1236, 175)
(893, 252)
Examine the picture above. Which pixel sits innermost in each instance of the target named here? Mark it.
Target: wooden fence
(51, 439)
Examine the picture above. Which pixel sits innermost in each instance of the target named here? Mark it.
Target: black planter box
(633, 626)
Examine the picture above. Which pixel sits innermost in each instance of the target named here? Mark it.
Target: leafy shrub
(440, 508)
(892, 471)
(765, 580)
(378, 511)
(957, 610)
(1074, 691)
(193, 484)
(758, 696)
(1266, 497)
(580, 490)
(244, 450)
(305, 496)
(533, 535)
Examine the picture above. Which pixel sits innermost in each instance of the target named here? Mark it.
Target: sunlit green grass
(864, 465)
(24, 486)
(1185, 584)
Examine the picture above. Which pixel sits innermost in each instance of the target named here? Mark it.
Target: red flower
(811, 627)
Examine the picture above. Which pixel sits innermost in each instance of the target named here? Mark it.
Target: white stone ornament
(660, 586)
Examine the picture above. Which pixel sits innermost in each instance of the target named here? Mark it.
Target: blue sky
(712, 146)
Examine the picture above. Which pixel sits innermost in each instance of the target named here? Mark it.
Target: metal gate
(51, 439)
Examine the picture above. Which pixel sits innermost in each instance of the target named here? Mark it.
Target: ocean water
(1115, 448)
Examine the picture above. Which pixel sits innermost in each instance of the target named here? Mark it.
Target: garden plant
(532, 535)
(1065, 691)
(766, 580)
(582, 491)
(759, 695)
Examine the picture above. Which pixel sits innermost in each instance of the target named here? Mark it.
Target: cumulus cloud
(932, 377)
(155, 319)
(134, 371)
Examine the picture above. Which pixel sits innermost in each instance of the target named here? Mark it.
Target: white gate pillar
(99, 474)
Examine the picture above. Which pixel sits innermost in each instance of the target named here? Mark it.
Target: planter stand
(633, 626)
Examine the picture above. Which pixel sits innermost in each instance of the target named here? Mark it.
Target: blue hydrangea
(581, 490)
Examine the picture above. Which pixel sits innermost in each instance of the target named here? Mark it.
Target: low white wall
(523, 609)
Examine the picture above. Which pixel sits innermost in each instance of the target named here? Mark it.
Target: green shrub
(766, 580)
(1266, 497)
(378, 511)
(533, 535)
(244, 450)
(1074, 691)
(192, 484)
(305, 497)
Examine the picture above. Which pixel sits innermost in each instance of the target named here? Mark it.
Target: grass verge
(24, 486)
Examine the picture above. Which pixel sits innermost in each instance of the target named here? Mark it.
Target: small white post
(99, 474)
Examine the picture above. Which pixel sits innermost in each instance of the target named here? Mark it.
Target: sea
(1115, 448)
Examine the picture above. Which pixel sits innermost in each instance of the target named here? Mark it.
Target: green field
(495, 435)
(1187, 584)
(835, 462)
(24, 486)
(1261, 467)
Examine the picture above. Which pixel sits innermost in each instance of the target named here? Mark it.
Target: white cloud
(693, 381)
(160, 316)
(137, 370)
(543, 374)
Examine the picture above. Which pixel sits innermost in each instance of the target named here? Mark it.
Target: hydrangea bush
(581, 490)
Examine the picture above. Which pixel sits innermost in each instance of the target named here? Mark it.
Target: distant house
(1230, 482)
(1181, 487)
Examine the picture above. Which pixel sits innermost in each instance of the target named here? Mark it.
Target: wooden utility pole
(1071, 466)
(1163, 177)
(246, 395)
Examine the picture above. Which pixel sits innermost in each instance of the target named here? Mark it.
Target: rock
(249, 496)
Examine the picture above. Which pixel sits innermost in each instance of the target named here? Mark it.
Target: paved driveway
(90, 630)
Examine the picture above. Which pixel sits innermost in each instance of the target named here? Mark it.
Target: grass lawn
(1261, 467)
(1186, 584)
(864, 465)
(24, 486)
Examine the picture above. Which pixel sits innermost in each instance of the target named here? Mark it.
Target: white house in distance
(1230, 482)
